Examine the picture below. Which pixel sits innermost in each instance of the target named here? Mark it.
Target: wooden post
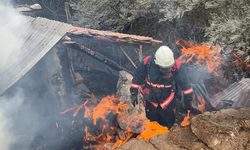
(71, 67)
(140, 53)
(66, 5)
(127, 56)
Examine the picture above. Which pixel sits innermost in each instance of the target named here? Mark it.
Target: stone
(123, 86)
(225, 129)
(161, 142)
(183, 137)
(136, 144)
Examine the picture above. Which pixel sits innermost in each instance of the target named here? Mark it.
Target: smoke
(11, 23)
(30, 109)
(8, 107)
(5, 138)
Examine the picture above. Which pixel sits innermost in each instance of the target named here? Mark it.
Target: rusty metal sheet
(39, 36)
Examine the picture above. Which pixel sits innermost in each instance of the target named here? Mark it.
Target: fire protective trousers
(165, 117)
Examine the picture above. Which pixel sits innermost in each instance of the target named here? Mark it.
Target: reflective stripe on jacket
(153, 78)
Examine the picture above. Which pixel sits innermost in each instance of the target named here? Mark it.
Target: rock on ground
(123, 86)
(227, 129)
(135, 144)
(183, 137)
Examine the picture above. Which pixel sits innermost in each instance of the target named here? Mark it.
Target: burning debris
(89, 59)
(118, 123)
(112, 123)
(105, 117)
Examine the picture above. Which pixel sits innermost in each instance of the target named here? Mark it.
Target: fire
(75, 106)
(109, 117)
(186, 120)
(200, 54)
(202, 105)
(151, 129)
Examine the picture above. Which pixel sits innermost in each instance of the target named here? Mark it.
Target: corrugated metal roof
(113, 36)
(41, 36)
(232, 92)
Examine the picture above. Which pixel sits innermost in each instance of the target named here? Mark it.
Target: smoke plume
(10, 43)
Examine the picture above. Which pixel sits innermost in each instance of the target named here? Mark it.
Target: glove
(134, 99)
(188, 104)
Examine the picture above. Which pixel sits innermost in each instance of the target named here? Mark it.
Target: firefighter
(156, 77)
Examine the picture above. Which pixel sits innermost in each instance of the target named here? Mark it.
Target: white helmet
(164, 57)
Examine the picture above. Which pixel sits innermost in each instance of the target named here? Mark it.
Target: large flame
(102, 133)
(200, 54)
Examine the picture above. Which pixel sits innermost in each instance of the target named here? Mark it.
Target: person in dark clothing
(156, 77)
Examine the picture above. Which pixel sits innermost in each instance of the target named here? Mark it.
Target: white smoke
(10, 23)
(8, 106)
(5, 137)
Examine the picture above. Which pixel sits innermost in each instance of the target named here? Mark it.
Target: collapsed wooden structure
(80, 50)
(58, 65)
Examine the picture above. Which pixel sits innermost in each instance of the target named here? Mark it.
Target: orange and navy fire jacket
(157, 89)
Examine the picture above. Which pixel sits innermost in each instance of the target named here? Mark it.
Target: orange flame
(202, 105)
(151, 129)
(200, 54)
(76, 109)
(186, 120)
(107, 130)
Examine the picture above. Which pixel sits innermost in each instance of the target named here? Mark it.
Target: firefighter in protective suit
(156, 77)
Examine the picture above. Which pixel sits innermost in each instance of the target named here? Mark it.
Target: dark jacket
(156, 88)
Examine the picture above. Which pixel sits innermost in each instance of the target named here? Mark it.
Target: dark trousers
(165, 117)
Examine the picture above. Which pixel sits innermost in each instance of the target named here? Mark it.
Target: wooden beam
(140, 53)
(95, 55)
(71, 67)
(127, 56)
(66, 5)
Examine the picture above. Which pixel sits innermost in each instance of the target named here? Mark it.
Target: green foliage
(224, 22)
(176, 8)
(230, 24)
(108, 14)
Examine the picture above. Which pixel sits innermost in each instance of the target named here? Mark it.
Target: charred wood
(96, 55)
